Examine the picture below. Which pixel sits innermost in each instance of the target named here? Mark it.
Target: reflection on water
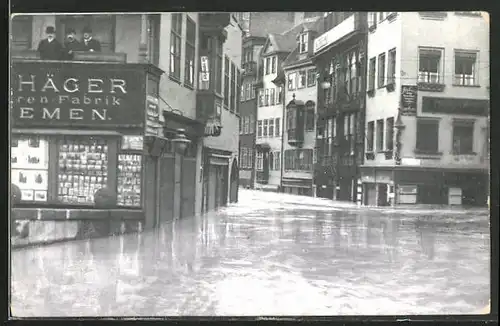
(265, 261)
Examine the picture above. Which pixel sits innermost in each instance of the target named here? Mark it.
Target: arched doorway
(233, 187)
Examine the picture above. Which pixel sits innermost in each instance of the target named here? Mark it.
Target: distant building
(299, 119)
(257, 25)
(427, 103)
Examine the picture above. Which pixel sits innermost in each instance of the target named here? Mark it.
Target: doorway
(382, 195)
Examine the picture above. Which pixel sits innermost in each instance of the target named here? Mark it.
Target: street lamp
(181, 141)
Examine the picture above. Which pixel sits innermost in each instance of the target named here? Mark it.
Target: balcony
(108, 57)
(354, 24)
(250, 68)
(215, 23)
(295, 123)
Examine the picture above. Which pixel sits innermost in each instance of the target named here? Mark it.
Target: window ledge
(464, 154)
(392, 16)
(189, 86)
(468, 13)
(175, 79)
(431, 87)
(460, 85)
(381, 86)
(427, 154)
(390, 87)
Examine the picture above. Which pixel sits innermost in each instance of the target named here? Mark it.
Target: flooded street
(270, 254)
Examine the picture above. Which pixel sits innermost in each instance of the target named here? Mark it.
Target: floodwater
(270, 254)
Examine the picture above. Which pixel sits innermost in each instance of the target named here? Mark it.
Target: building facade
(340, 57)
(218, 104)
(300, 112)
(427, 109)
(151, 153)
(257, 25)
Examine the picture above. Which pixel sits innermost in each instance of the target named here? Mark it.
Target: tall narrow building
(255, 25)
(340, 56)
(427, 105)
(299, 134)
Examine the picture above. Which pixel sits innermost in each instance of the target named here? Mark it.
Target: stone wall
(29, 232)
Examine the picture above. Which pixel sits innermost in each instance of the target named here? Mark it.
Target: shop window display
(129, 180)
(29, 167)
(83, 169)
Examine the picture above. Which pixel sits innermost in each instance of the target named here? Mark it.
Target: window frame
(27, 23)
(389, 134)
(370, 136)
(429, 53)
(265, 129)
(190, 53)
(391, 66)
(311, 77)
(270, 127)
(259, 129)
(292, 81)
(419, 143)
(301, 79)
(303, 42)
(461, 123)
(273, 64)
(176, 39)
(372, 73)
(379, 135)
(277, 128)
(227, 81)
(462, 54)
(272, 96)
(232, 96)
(381, 80)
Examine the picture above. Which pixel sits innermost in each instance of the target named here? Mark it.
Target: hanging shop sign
(152, 116)
(455, 106)
(79, 94)
(132, 143)
(409, 95)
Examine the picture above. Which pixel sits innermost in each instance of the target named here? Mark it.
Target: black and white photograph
(250, 164)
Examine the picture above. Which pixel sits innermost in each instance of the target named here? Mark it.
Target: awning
(78, 132)
(297, 183)
(218, 161)
(263, 146)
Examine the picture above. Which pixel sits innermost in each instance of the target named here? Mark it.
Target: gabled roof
(287, 41)
(293, 57)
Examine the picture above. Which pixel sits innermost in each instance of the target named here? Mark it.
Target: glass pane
(29, 167)
(83, 169)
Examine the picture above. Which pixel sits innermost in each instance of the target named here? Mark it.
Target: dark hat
(70, 31)
(87, 29)
(50, 30)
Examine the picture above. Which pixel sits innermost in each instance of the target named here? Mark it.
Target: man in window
(90, 44)
(49, 48)
(71, 44)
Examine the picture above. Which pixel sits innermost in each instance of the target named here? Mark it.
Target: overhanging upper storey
(354, 24)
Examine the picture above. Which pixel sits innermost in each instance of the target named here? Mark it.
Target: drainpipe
(282, 137)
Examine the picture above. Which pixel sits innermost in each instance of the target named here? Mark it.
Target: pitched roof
(313, 24)
(287, 41)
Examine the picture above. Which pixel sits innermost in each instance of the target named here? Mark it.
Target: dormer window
(303, 40)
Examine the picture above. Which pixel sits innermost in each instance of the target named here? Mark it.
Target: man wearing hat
(71, 44)
(90, 44)
(49, 48)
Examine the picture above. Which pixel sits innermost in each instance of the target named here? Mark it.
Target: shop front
(215, 178)
(86, 145)
(384, 186)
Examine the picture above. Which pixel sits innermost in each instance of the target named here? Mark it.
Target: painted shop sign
(409, 95)
(455, 106)
(152, 116)
(76, 94)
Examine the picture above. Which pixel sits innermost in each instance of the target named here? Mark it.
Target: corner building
(124, 128)
(427, 124)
